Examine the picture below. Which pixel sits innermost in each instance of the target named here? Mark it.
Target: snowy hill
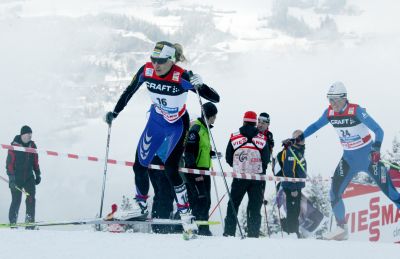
(47, 244)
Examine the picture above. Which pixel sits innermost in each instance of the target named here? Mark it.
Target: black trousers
(293, 202)
(255, 191)
(30, 201)
(163, 200)
(199, 195)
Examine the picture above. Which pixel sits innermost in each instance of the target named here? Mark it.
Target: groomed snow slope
(50, 244)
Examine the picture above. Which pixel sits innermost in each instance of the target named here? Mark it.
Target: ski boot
(190, 228)
(339, 234)
(28, 220)
(136, 210)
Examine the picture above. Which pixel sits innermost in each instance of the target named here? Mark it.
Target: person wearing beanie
(263, 126)
(168, 85)
(23, 172)
(25, 129)
(247, 153)
(198, 155)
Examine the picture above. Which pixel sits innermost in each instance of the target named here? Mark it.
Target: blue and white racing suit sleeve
(321, 122)
(365, 118)
(129, 91)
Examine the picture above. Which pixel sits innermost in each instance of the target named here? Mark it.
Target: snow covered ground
(52, 244)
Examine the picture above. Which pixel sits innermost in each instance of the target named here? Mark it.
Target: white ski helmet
(337, 90)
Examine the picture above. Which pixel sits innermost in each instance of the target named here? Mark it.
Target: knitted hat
(209, 109)
(264, 117)
(26, 129)
(250, 116)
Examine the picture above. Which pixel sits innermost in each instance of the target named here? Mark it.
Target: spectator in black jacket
(23, 172)
(293, 164)
(247, 152)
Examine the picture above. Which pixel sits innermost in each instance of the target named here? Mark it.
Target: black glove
(11, 181)
(214, 155)
(288, 142)
(38, 179)
(110, 116)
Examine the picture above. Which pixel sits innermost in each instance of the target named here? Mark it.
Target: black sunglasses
(159, 61)
(263, 120)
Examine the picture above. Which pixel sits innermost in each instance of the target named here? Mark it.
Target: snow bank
(50, 244)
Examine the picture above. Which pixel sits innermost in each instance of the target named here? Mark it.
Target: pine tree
(394, 155)
(317, 191)
(363, 178)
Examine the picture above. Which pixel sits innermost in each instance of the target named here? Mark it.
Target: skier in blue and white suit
(168, 86)
(361, 154)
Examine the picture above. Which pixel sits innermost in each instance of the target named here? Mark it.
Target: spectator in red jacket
(23, 172)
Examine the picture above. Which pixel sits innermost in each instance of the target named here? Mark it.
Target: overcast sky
(286, 54)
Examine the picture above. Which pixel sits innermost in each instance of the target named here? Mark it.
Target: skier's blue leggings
(351, 163)
(167, 140)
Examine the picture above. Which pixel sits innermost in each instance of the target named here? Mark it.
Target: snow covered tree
(363, 178)
(394, 155)
(317, 191)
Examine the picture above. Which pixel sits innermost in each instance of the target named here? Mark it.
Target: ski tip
(114, 208)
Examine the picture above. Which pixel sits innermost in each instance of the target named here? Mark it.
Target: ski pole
(330, 223)
(219, 207)
(16, 187)
(390, 164)
(265, 202)
(105, 170)
(279, 211)
(212, 211)
(219, 163)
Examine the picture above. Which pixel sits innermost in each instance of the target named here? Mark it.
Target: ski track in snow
(46, 244)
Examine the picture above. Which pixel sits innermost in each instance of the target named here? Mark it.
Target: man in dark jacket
(247, 152)
(23, 172)
(263, 126)
(293, 164)
(198, 156)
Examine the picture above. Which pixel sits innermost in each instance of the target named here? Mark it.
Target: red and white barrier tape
(181, 169)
